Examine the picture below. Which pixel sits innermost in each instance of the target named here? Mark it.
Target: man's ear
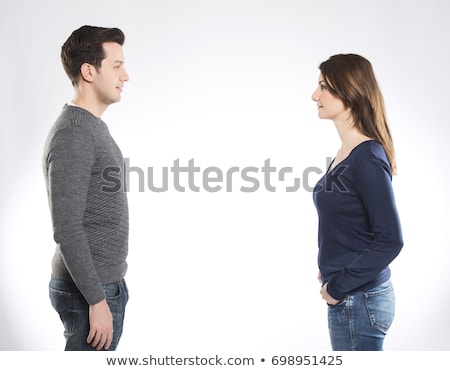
(87, 72)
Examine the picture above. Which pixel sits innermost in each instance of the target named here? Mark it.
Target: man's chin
(115, 100)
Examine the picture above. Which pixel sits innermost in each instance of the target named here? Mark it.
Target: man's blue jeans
(73, 310)
(362, 319)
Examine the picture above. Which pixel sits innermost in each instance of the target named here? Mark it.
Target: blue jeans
(73, 310)
(362, 319)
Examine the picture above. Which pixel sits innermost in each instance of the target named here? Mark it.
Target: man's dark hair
(85, 45)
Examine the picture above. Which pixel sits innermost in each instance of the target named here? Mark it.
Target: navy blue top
(359, 227)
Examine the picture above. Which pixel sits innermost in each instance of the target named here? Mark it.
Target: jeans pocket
(340, 304)
(66, 305)
(380, 304)
(112, 291)
(116, 291)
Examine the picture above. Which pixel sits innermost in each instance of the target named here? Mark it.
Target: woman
(359, 228)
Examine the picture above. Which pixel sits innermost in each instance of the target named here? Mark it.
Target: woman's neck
(350, 135)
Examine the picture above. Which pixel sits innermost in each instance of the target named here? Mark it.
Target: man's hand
(101, 326)
(327, 297)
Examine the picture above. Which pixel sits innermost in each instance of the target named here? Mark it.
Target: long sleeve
(70, 162)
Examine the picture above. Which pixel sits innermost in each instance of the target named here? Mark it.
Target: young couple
(359, 228)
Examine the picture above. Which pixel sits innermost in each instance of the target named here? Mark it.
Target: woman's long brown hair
(351, 78)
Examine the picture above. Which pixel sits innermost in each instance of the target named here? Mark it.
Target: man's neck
(96, 109)
(85, 98)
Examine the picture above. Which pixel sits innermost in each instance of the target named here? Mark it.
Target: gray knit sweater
(89, 216)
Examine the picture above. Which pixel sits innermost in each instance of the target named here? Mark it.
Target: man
(90, 222)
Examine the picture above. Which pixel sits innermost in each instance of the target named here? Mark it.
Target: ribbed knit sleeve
(70, 163)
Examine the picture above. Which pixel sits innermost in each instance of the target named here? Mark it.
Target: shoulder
(72, 116)
(70, 140)
(370, 149)
(73, 123)
(371, 156)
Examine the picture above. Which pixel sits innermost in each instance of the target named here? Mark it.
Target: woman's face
(329, 106)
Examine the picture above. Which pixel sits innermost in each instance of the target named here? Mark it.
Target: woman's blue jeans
(73, 310)
(362, 319)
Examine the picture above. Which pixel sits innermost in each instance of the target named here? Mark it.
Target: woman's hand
(327, 297)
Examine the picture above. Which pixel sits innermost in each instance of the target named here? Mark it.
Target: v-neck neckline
(331, 169)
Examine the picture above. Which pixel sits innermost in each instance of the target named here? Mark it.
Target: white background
(227, 83)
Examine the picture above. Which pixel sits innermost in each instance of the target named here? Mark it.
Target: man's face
(111, 76)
